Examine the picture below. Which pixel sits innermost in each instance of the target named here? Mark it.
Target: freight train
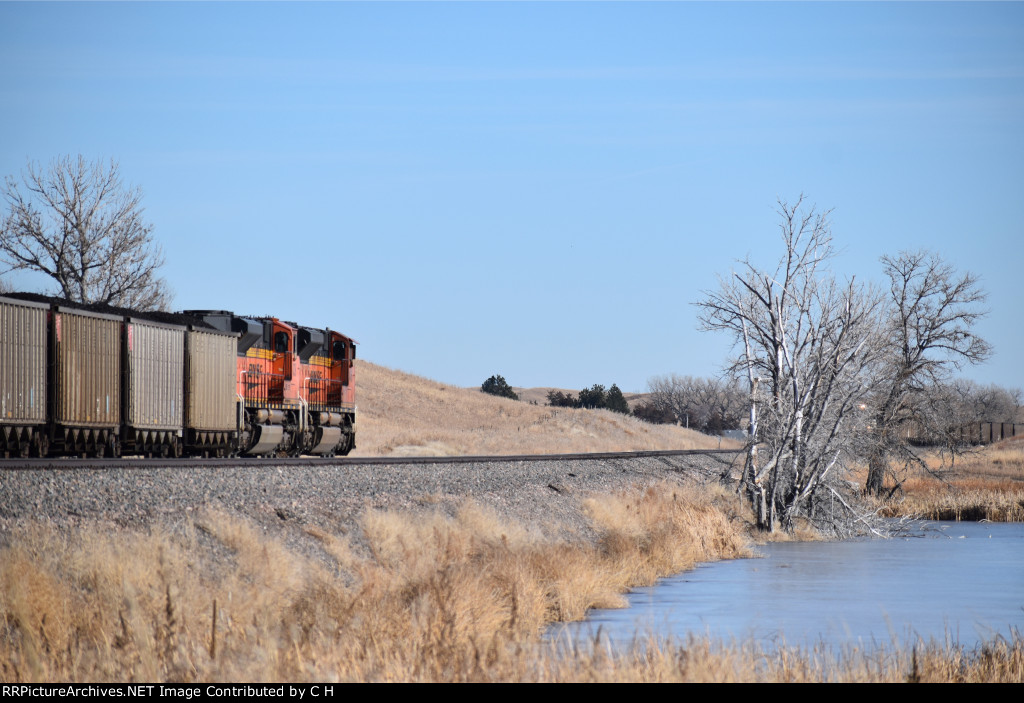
(93, 380)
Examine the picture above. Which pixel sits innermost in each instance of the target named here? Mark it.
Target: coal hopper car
(94, 380)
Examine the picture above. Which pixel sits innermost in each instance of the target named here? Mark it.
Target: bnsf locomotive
(103, 381)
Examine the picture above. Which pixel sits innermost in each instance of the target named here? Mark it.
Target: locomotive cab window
(338, 351)
(281, 342)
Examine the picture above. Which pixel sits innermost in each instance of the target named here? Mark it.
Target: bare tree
(76, 223)
(942, 416)
(929, 329)
(669, 395)
(728, 405)
(950, 416)
(807, 346)
(995, 403)
(705, 404)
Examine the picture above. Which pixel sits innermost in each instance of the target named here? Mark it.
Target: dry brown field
(400, 414)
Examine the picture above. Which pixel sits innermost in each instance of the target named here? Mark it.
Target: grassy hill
(405, 415)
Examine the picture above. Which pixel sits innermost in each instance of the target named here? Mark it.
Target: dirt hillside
(400, 414)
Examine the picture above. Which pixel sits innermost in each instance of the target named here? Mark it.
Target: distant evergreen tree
(496, 385)
(616, 401)
(593, 397)
(558, 399)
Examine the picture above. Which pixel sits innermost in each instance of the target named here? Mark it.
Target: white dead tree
(74, 222)
(807, 346)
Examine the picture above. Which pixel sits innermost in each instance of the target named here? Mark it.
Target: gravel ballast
(290, 500)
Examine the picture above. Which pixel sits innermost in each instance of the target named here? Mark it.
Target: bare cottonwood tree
(949, 416)
(807, 346)
(943, 415)
(705, 404)
(930, 314)
(993, 403)
(669, 394)
(75, 222)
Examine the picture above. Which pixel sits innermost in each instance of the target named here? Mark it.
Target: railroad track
(96, 464)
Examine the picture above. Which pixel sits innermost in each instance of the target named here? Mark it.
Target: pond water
(957, 582)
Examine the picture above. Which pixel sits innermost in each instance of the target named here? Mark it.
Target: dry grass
(700, 660)
(418, 597)
(985, 485)
(405, 415)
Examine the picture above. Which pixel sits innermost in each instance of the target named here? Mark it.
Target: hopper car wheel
(114, 446)
(23, 449)
(165, 451)
(41, 445)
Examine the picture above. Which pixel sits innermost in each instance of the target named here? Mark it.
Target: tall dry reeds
(415, 596)
(987, 484)
(701, 660)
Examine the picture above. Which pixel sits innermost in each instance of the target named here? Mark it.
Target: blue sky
(538, 190)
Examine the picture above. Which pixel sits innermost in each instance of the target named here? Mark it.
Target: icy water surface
(961, 581)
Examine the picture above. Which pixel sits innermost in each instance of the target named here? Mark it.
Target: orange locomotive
(328, 388)
(296, 386)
